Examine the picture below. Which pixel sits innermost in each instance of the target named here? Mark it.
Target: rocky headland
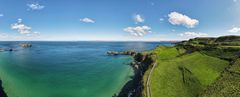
(141, 63)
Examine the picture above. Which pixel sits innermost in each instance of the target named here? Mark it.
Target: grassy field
(160, 51)
(226, 86)
(184, 76)
(230, 47)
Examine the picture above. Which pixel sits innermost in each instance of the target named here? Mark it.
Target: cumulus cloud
(138, 18)
(35, 6)
(176, 18)
(234, 30)
(193, 34)
(87, 20)
(22, 28)
(138, 31)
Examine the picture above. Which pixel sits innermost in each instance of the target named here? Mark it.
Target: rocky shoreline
(141, 63)
(23, 45)
(2, 93)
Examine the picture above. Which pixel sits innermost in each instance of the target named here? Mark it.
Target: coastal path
(148, 80)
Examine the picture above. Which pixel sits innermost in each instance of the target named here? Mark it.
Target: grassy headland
(200, 67)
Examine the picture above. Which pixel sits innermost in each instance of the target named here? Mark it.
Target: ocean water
(67, 69)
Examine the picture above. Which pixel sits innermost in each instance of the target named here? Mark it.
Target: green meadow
(185, 75)
(200, 67)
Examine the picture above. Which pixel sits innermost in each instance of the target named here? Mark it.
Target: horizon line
(91, 40)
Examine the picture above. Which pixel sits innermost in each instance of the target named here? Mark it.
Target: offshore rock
(26, 45)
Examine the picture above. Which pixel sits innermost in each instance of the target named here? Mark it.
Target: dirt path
(148, 80)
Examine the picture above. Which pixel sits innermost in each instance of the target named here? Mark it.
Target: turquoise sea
(67, 69)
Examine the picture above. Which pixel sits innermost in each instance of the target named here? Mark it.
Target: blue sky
(124, 20)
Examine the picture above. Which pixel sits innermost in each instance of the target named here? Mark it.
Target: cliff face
(2, 93)
(141, 63)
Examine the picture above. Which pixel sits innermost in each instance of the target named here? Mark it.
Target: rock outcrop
(140, 65)
(130, 52)
(2, 93)
(1, 50)
(26, 45)
(9, 49)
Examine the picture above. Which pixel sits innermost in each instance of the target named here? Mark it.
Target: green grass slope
(184, 76)
(228, 85)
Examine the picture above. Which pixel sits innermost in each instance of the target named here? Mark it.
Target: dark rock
(113, 53)
(2, 93)
(141, 64)
(1, 50)
(9, 49)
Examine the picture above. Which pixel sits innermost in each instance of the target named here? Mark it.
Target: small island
(26, 45)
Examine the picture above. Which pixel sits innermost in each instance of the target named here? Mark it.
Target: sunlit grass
(183, 76)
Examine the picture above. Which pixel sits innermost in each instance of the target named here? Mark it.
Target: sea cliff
(141, 63)
(212, 61)
(2, 93)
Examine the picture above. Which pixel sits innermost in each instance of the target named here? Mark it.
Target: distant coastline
(168, 41)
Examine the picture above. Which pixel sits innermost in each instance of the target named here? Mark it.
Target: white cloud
(161, 19)
(1, 15)
(138, 18)
(34, 34)
(234, 30)
(235, 0)
(193, 34)
(87, 20)
(138, 31)
(35, 6)
(22, 28)
(176, 18)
